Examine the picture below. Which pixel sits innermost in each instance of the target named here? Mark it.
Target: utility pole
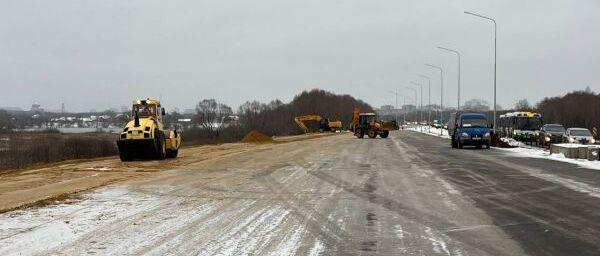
(495, 55)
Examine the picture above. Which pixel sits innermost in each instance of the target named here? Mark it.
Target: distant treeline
(18, 150)
(273, 118)
(575, 109)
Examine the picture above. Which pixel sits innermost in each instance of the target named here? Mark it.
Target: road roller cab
(145, 136)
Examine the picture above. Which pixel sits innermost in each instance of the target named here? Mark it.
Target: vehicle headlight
(592, 140)
(571, 139)
(547, 138)
(464, 134)
(487, 134)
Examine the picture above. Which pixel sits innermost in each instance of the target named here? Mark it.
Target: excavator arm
(301, 119)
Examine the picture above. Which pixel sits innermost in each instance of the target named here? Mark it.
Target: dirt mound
(256, 136)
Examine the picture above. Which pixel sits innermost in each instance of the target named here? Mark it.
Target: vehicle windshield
(144, 110)
(474, 122)
(555, 128)
(529, 123)
(367, 118)
(580, 133)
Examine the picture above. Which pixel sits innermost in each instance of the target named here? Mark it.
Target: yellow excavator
(369, 124)
(324, 124)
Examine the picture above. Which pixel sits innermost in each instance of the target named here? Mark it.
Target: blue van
(469, 129)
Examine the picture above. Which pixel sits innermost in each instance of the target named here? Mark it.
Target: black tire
(487, 146)
(460, 146)
(360, 133)
(479, 146)
(161, 151)
(372, 134)
(453, 143)
(172, 153)
(384, 134)
(125, 157)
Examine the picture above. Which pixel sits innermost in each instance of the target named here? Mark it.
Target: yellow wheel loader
(368, 124)
(145, 136)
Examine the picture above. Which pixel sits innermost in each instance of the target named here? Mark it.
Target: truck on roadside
(469, 129)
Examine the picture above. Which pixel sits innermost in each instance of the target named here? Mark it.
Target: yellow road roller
(145, 137)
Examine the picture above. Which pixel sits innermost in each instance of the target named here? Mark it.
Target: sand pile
(256, 136)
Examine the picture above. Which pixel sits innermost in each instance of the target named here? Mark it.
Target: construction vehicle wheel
(360, 133)
(124, 156)
(372, 134)
(160, 145)
(384, 134)
(172, 153)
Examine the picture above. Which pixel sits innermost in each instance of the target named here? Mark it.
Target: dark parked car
(551, 133)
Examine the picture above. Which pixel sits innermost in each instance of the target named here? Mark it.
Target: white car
(578, 135)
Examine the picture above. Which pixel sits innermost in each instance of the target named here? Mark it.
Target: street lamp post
(441, 94)
(457, 54)
(421, 105)
(428, 101)
(404, 112)
(495, 54)
(415, 91)
(395, 110)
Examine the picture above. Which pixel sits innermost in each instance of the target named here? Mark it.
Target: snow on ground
(544, 154)
(521, 150)
(115, 220)
(443, 133)
(33, 231)
(513, 143)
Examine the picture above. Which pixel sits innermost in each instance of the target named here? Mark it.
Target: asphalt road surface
(409, 194)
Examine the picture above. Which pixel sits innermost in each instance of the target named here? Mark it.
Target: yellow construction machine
(145, 136)
(324, 124)
(367, 123)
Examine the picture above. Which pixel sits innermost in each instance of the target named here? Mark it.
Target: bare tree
(476, 105)
(210, 114)
(5, 120)
(523, 105)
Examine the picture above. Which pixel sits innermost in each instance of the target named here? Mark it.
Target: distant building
(124, 109)
(408, 107)
(36, 108)
(387, 108)
(189, 111)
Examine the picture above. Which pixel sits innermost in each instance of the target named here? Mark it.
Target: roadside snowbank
(521, 150)
(442, 133)
(544, 154)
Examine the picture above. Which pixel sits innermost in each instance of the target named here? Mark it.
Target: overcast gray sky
(100, 54)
